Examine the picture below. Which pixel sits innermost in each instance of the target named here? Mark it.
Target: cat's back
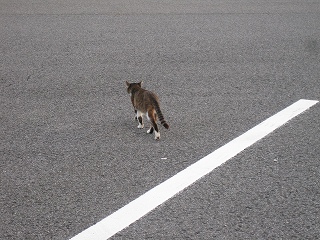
(145, 99)
(150, 95)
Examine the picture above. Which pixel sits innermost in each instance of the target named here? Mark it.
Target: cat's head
(131, 86)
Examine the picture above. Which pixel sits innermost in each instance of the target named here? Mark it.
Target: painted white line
(139, 207)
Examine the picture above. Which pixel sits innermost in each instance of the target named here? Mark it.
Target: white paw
(156, 135)
(149, 131)
(140, 125)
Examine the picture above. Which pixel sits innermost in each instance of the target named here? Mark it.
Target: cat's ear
(128, 84)
(140, 83)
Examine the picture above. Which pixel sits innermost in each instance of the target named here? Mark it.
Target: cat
(146, 103)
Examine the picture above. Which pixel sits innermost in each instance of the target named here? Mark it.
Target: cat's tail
(160, 116)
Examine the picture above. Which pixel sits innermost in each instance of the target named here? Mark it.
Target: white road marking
(139, 207)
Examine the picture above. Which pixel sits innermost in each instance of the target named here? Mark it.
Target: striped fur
(160, 116)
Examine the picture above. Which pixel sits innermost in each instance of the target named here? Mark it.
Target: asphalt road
(71, 153)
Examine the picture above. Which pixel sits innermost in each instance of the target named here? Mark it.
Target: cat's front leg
(135, 115)
(150, 131)
(140, 120)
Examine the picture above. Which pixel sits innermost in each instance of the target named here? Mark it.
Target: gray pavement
(70, 152)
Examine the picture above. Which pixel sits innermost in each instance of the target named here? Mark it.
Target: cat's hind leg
(153, 119)
(150, 131)
(156, 131)
(140, 120)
